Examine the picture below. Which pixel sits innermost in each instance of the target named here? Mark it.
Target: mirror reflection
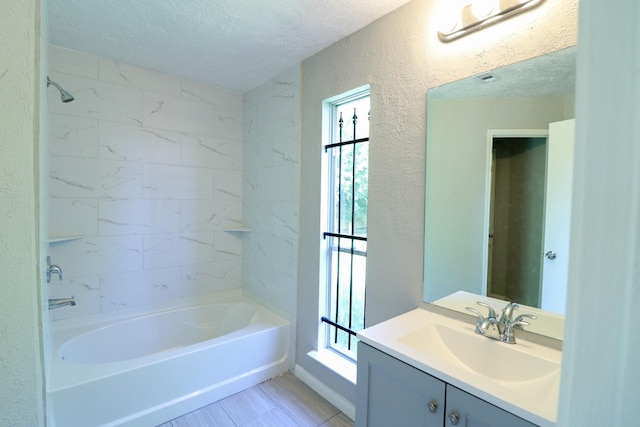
(498, 183)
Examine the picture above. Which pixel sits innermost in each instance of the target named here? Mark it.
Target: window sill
(342, 366)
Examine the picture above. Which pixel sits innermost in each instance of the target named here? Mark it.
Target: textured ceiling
(233, 44)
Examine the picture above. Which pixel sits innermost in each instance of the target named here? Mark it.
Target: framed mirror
(493, 178)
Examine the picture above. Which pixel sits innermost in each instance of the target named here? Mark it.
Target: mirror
(468, 121)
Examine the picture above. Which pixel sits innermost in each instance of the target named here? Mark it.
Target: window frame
(327, 337)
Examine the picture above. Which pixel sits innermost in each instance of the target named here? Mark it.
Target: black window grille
(346, 236)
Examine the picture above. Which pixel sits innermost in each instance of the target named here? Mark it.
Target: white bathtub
(134, 369)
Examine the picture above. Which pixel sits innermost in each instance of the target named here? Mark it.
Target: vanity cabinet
(393, 393)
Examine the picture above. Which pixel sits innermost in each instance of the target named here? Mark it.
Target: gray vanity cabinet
(466, 410)
(392, 393)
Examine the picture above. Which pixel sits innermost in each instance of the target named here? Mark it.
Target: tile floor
(283, 401)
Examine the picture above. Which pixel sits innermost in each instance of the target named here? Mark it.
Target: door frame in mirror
(491, 134)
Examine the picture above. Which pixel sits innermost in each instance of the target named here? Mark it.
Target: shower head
(64, 95)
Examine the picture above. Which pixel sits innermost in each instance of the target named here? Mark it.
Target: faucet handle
(480, 319)
(492, 313)
(519, 323)
(476, 312)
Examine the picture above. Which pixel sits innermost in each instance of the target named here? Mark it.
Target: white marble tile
(276, 252)
(119, 179)
(283, 297)
(139, 288)
(138, 216)
(134, 143)
(227, 185)
(210, 215)
(228, 246)
(98, 255)
(258, 215)
(285, 219)
(73, 136)
(140, 78)
(76, 177)
(285, 146)
(97, 99)
(195, 91)
(162, 250)
(177, 182)
(200, 279)
(167, 112)
(277, 112)
(211, 152)
(73, 217)
(73, 62)
(228, 123)
(85, 290)
(257, 288)
(250, 186)
(258, 152)
(259, 94)
(287, 80)
(278, 183)
(249, 123)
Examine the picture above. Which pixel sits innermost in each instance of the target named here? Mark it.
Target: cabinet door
(392, 393)
(466, 410)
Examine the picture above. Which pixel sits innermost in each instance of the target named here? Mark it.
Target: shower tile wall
(147, 168)
(271, 186)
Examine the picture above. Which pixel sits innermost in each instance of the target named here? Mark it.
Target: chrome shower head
(64, 95)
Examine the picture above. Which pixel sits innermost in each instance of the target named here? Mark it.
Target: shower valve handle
(52, 269)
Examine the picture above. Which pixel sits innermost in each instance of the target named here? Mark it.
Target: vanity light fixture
(482, 13)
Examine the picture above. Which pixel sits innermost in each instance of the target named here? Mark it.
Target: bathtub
(142, 369)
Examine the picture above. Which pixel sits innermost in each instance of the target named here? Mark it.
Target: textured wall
(146, 167)
(270, 191)
(600, 381)
(401, 57)
(21, 384)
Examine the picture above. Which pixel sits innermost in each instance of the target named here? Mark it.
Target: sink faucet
(501, 329)
(507, 312)
(61, 302)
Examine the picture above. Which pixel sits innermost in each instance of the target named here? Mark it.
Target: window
(345, 173)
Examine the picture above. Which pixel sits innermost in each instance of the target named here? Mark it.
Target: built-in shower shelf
(53, 240)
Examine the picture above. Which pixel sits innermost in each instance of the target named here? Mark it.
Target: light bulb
(449, 17)
(483, 8)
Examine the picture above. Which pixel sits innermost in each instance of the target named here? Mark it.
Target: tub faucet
(61, 302)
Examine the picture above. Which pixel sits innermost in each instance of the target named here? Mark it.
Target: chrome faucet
(61, 302)
(501, 329)
(53, 269)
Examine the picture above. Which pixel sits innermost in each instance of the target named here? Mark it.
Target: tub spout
(61, 302)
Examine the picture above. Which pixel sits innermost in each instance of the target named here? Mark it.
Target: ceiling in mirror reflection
(552, 74)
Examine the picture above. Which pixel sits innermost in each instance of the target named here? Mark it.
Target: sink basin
(490, 358)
